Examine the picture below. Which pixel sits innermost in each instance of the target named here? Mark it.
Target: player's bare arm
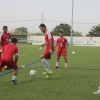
(55, 47)
(42, 45)
(16, 58)
(51, 51)
(67, 45)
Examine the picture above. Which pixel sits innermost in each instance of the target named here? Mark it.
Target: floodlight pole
(71, 36)
(42, 18)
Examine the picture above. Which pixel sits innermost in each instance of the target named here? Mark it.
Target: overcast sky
(85, 11)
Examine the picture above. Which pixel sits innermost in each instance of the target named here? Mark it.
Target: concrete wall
(78, 41)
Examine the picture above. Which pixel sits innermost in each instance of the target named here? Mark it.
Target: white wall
(81, 41)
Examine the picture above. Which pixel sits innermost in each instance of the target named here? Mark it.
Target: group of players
(9, 49)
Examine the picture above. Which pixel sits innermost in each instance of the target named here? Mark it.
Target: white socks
(66, 64)
(46, 65)
(5, 66)
(43, 61)
(57, 64)
(14, 78)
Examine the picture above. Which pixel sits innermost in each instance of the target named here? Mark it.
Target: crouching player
(7, 58)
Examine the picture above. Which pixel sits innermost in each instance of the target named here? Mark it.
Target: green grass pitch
(77, 83)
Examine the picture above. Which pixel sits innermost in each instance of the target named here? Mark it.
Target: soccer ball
(73, 53)
(40, 48)
(32, 72)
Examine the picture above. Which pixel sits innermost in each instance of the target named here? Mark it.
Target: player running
(49, 42)
(7, 58)
(4, 38)
(62, 44)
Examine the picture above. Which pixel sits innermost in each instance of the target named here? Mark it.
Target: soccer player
(98, 92)
(7, 58)
(4, 38)
(49, 42)
(62, 44)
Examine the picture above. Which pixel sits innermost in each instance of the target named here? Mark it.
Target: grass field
(77, 83)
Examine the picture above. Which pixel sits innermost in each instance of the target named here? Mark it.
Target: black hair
(5, 27)
(61, 32)
(14, 40)
(42, 25)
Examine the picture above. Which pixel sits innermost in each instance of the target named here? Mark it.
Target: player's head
(61, 33)
(5, 29)
(43, 28)
(14, 40)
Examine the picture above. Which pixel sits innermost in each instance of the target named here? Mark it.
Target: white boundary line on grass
(29, 53)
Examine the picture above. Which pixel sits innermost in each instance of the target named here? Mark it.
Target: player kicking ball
(49, 42)
(62, 44)
(7, 58)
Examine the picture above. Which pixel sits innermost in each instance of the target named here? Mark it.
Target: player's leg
(64, 54)
(12, 65)
(45, 63)
(99, 87)
(97, 92)
(66, 65)
(14, 76)
(57, 62)
(58, 57)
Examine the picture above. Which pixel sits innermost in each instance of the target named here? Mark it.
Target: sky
(85, 11)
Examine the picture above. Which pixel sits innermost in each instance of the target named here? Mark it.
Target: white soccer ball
(32, 72)
(40, 48)
(73, 53)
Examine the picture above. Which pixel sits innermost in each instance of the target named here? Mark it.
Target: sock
(99, 87)
(48, 67)
(57, 64)
(43, 61)
(5, 66)
(14, 78)
(65, 64)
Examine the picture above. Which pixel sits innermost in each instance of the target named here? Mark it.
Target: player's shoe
(14, 82)
(66, 67)
(47, 76)
(55, 67)
(49, 73)
(44, 72)
(97, 92)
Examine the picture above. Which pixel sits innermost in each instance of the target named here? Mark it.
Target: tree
(62, 27)
(21, 30)
(77, 33)
(95, 31)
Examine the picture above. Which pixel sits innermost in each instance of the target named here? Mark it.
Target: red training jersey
(62, 42)
(8, 51)
(4, 39)
(48, 35)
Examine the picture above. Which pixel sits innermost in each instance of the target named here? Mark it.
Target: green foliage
(21, 30)
(95, 31)
(62, 27)
(77, 33)
(77, 83)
